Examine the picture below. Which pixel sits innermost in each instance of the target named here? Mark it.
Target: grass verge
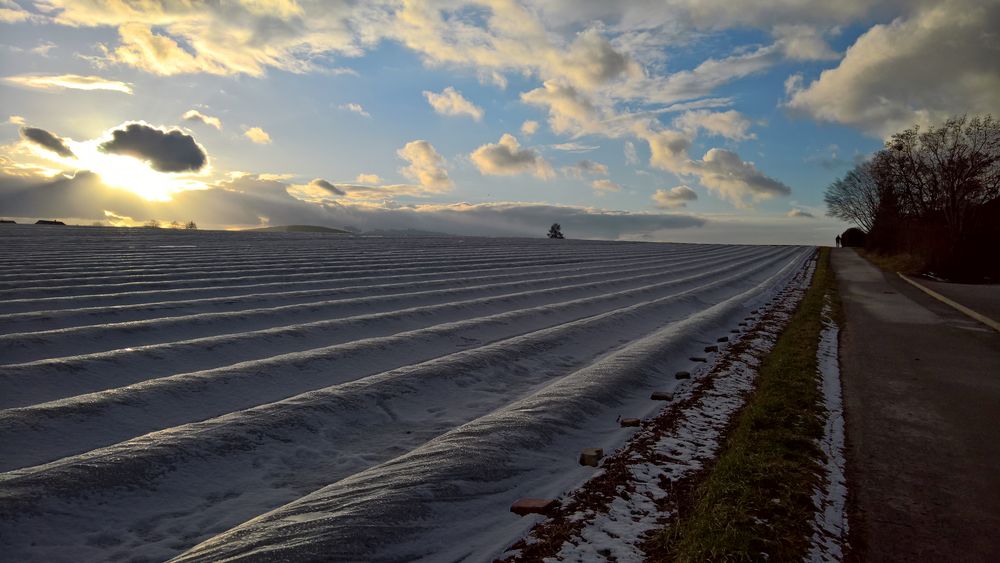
(755, 504)
(892, 263)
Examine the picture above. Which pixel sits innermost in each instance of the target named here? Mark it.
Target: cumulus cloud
(668, 149)
(451, 102)
(195, 115)
(507, 158)
(735, 180)
(586, 168)
(356, 108)
(69, 81)
(426, 166)
(570, 110)
(800, 213)
(368, 179)
(729, 124)
(919, 69)
(15, 120)
(257, 135)
(674, 198)
(46, 140)
(529, 128)
(603, 185)
(168, 150)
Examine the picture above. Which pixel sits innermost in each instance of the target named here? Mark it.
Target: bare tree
(950, 171)
(191, 225)
(855, 197)
(152, 224)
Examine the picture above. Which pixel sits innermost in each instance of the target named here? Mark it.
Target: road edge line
(957, 306)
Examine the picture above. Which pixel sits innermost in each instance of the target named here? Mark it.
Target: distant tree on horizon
(555, 231)
(191, 225)
(152, 224)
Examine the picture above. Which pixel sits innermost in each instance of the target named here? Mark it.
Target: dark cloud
(166, 151)
(321, 183)
(801, 214)
(46, 140)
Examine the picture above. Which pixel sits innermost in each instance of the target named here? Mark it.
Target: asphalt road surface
(922, 397)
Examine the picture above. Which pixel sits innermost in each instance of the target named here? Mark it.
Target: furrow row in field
(336, 279)
(150, 495)
(65, 427)
(52, 378)
(226, 268)
(50, 319)
(31, 346)
(249, 277)
(43, 260)
(418, 504)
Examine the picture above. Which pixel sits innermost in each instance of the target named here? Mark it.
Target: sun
(128, 173)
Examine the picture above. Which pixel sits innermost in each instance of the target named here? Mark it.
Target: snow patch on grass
(830, 526)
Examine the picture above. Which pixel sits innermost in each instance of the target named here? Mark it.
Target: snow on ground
(221, 395)
(830, 527)
(669, 450)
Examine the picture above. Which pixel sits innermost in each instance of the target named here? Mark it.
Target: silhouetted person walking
(838, 241)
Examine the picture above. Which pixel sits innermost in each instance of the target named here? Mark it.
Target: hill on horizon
(299, 229)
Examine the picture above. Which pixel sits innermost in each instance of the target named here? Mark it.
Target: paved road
(983, 299)
(922, 397)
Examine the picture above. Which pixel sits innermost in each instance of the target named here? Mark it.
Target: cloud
(729, 124)
(257, 135)
(10, 12)
(668, 149)
(801, 42)
(15, 120)
(574, 147)
(164, 150)
(603, 185)
(529, 128)
(731, 178)
(631, 157)
(723, 172)
(324, 185)
(195, 115)
(69, 81)
(222, 38)
(800, 213)
(426, 166)
(356, 108)
(570, 111)
(919, 69)
(586, 168)
(451, 102)
(507, 158)
(368, 179)
(47, 140)
(674, 198)
(244, 200)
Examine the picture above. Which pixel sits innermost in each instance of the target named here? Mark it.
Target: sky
(668, 120)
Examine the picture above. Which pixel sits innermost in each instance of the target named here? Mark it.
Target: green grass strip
(756, 503)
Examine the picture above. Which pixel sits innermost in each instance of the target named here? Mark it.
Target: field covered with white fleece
(284, 396)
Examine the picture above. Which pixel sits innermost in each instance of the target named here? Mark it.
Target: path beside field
(922, 398)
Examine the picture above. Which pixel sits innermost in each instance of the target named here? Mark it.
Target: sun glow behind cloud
(128, 173)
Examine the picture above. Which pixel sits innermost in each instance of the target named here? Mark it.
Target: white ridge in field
(211, 395)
